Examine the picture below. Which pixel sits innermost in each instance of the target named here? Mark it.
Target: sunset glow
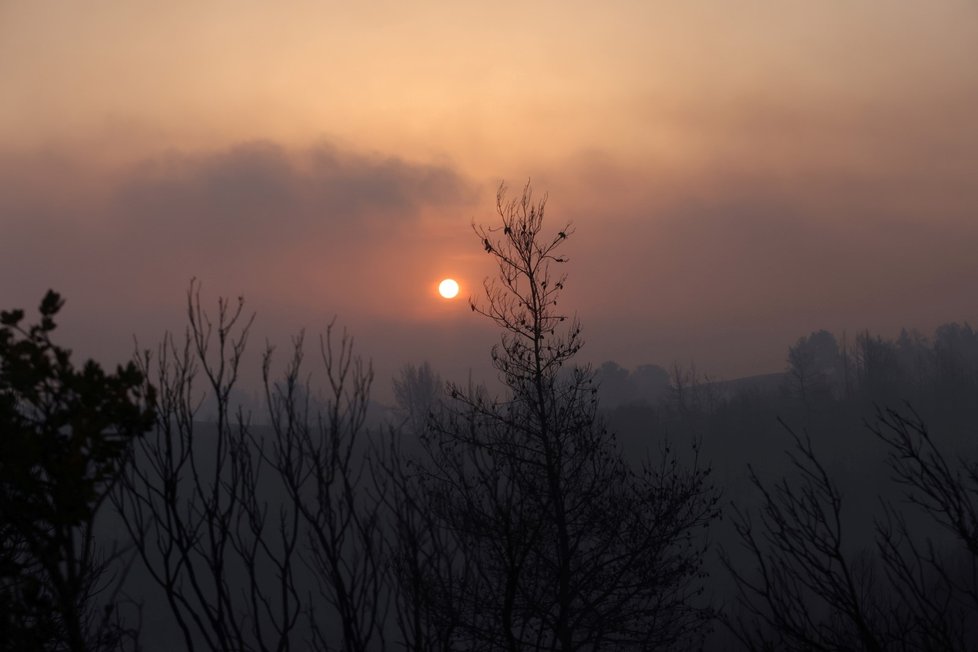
(722, 164)
(456, 324)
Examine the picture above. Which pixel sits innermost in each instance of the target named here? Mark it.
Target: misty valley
(165, 505)
(286, 365)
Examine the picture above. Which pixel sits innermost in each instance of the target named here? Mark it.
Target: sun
(448, 288)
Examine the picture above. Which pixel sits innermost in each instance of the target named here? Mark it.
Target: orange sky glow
(739, 174)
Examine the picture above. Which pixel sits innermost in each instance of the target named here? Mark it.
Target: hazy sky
(739, 173)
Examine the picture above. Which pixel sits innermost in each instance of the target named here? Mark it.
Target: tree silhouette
(559, 544)
(65, 434)
(811, 589)
(813, 368)
(261, 537)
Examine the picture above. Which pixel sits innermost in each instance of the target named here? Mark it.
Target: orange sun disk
(448, 288)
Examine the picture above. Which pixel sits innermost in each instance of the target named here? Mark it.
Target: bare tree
(810, 590)
(187, 503)
(425, 561)
(250, 530)
(560, 544)
(322, 462)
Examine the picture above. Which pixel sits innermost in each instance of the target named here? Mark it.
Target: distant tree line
(940, 371)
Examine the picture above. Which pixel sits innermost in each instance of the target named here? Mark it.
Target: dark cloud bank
(725, 268)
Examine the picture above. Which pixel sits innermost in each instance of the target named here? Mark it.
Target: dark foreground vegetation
(834, 507)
